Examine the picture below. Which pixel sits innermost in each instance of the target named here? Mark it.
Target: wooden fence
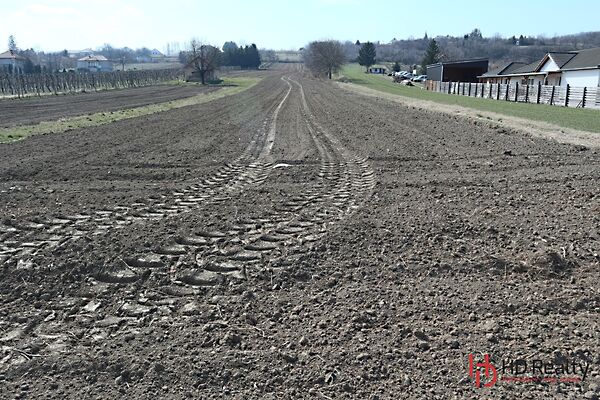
(21, 85)
(566, 96)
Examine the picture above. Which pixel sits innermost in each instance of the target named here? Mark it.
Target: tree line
(519, 47)
(231, 55)
(247, 57)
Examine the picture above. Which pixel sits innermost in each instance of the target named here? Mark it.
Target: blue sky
(75, 24)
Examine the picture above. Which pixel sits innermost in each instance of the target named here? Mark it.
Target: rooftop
(505, 69)
(11, 55)
(566, 60)
(589, 58)
(527, 68)
(93, 58)
(475, 60)
(561, 58)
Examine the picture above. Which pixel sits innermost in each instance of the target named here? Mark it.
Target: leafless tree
(204, 59)
(268, 55)
(324, 57)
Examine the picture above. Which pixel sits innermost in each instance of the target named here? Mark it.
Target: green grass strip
(575, 118)
(230, 86)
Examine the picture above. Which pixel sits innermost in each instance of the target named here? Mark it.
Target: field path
(294, 240)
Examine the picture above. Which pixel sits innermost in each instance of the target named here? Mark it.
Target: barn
(458, 71)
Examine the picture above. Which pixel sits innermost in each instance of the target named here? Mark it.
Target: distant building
(156, 56)
(458, 71)
(80, 53)
(288, 56)
(377, 69)
(576, 68)
(94, 64)
(12, 62)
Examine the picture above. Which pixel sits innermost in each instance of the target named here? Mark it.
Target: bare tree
(268, 55)
(204, 59)
(324, 57)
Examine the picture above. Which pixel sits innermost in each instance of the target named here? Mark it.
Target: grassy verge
(576, 118)
(230, 86)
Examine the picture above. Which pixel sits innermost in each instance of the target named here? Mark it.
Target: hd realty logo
(484, 373)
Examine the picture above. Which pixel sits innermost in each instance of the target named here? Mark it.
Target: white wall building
(156, 56)
(575, 68)
(585, 77)
(94, 64)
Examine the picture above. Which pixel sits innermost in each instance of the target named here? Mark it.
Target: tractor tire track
(20, 240)
(345, 183)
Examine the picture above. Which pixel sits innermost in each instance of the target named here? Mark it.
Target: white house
(11, 62)
(583, 69)
(94, 64)
(156, 56)
(575, 68)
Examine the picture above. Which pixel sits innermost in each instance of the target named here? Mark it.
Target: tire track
(345, 182)
(20, 240)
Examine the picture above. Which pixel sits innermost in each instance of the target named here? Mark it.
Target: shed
(458, 71)
(377, 69)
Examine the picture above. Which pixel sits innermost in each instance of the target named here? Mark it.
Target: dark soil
(31, 110)
(364, 253)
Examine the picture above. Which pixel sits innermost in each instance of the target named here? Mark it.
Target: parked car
(420, 78)
(401, 73)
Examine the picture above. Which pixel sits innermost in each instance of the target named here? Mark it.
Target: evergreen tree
(253, 57)
(367, 54)
(476, 34)
(229, 46)
(230, 50)
(396, 67)
(243, 57)
(432, 55)
(247, 57)
(12, 43)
